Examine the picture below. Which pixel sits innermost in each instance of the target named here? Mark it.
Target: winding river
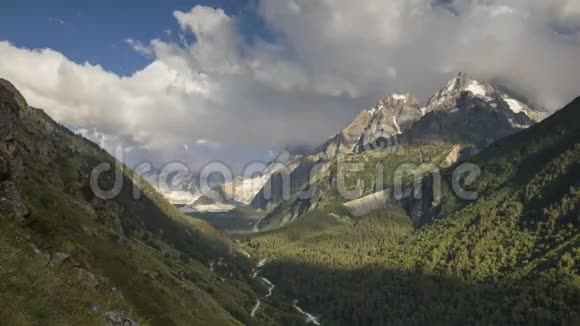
(308, 318)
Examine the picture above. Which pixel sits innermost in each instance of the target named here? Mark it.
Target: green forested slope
(510, 257)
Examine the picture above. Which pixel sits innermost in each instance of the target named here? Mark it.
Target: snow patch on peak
(396, 124)
(476, 88)
(399, 97)
(515, 105)
(379, 107)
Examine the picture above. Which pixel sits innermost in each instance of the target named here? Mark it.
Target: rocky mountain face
(70, 256)
(13, 105)
(391, 116)
(471, 112)
(394, 115)
(284, 183)
(376, 127)
(467, 112)
(446, 98)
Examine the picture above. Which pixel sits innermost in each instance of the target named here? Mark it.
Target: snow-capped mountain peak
(464, 106)
(498, 97)
(455, 87)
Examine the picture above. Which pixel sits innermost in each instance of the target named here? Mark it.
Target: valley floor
(237, 221)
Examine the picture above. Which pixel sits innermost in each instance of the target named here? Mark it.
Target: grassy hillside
(510, 257)
(70, 258)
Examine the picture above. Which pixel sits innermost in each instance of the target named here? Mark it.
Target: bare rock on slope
(114, 318)
(4, 169)
(10, 97)
(11, 203)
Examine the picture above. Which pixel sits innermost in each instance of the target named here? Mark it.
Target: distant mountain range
(464, 111)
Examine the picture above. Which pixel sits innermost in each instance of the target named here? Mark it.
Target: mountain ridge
(465, 111)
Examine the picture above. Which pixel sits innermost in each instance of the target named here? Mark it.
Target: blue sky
(95, 31)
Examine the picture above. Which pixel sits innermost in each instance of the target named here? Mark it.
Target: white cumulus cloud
(327, 61)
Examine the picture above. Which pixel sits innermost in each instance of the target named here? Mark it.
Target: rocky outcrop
(114, 318)
(282, 184)
(4, 169)
(108, 213)
(8, 108)
(458, 154)
(12, 105)
(59, 259)
(389, 118)
(11, 98)
(20, 148)
(11, 203)
(471, 120)
(93, 281)
(362, 206)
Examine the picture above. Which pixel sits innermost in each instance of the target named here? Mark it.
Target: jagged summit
(396, 113)
(468, 111)
(497, 96)
(453, 89)
(390, 117)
